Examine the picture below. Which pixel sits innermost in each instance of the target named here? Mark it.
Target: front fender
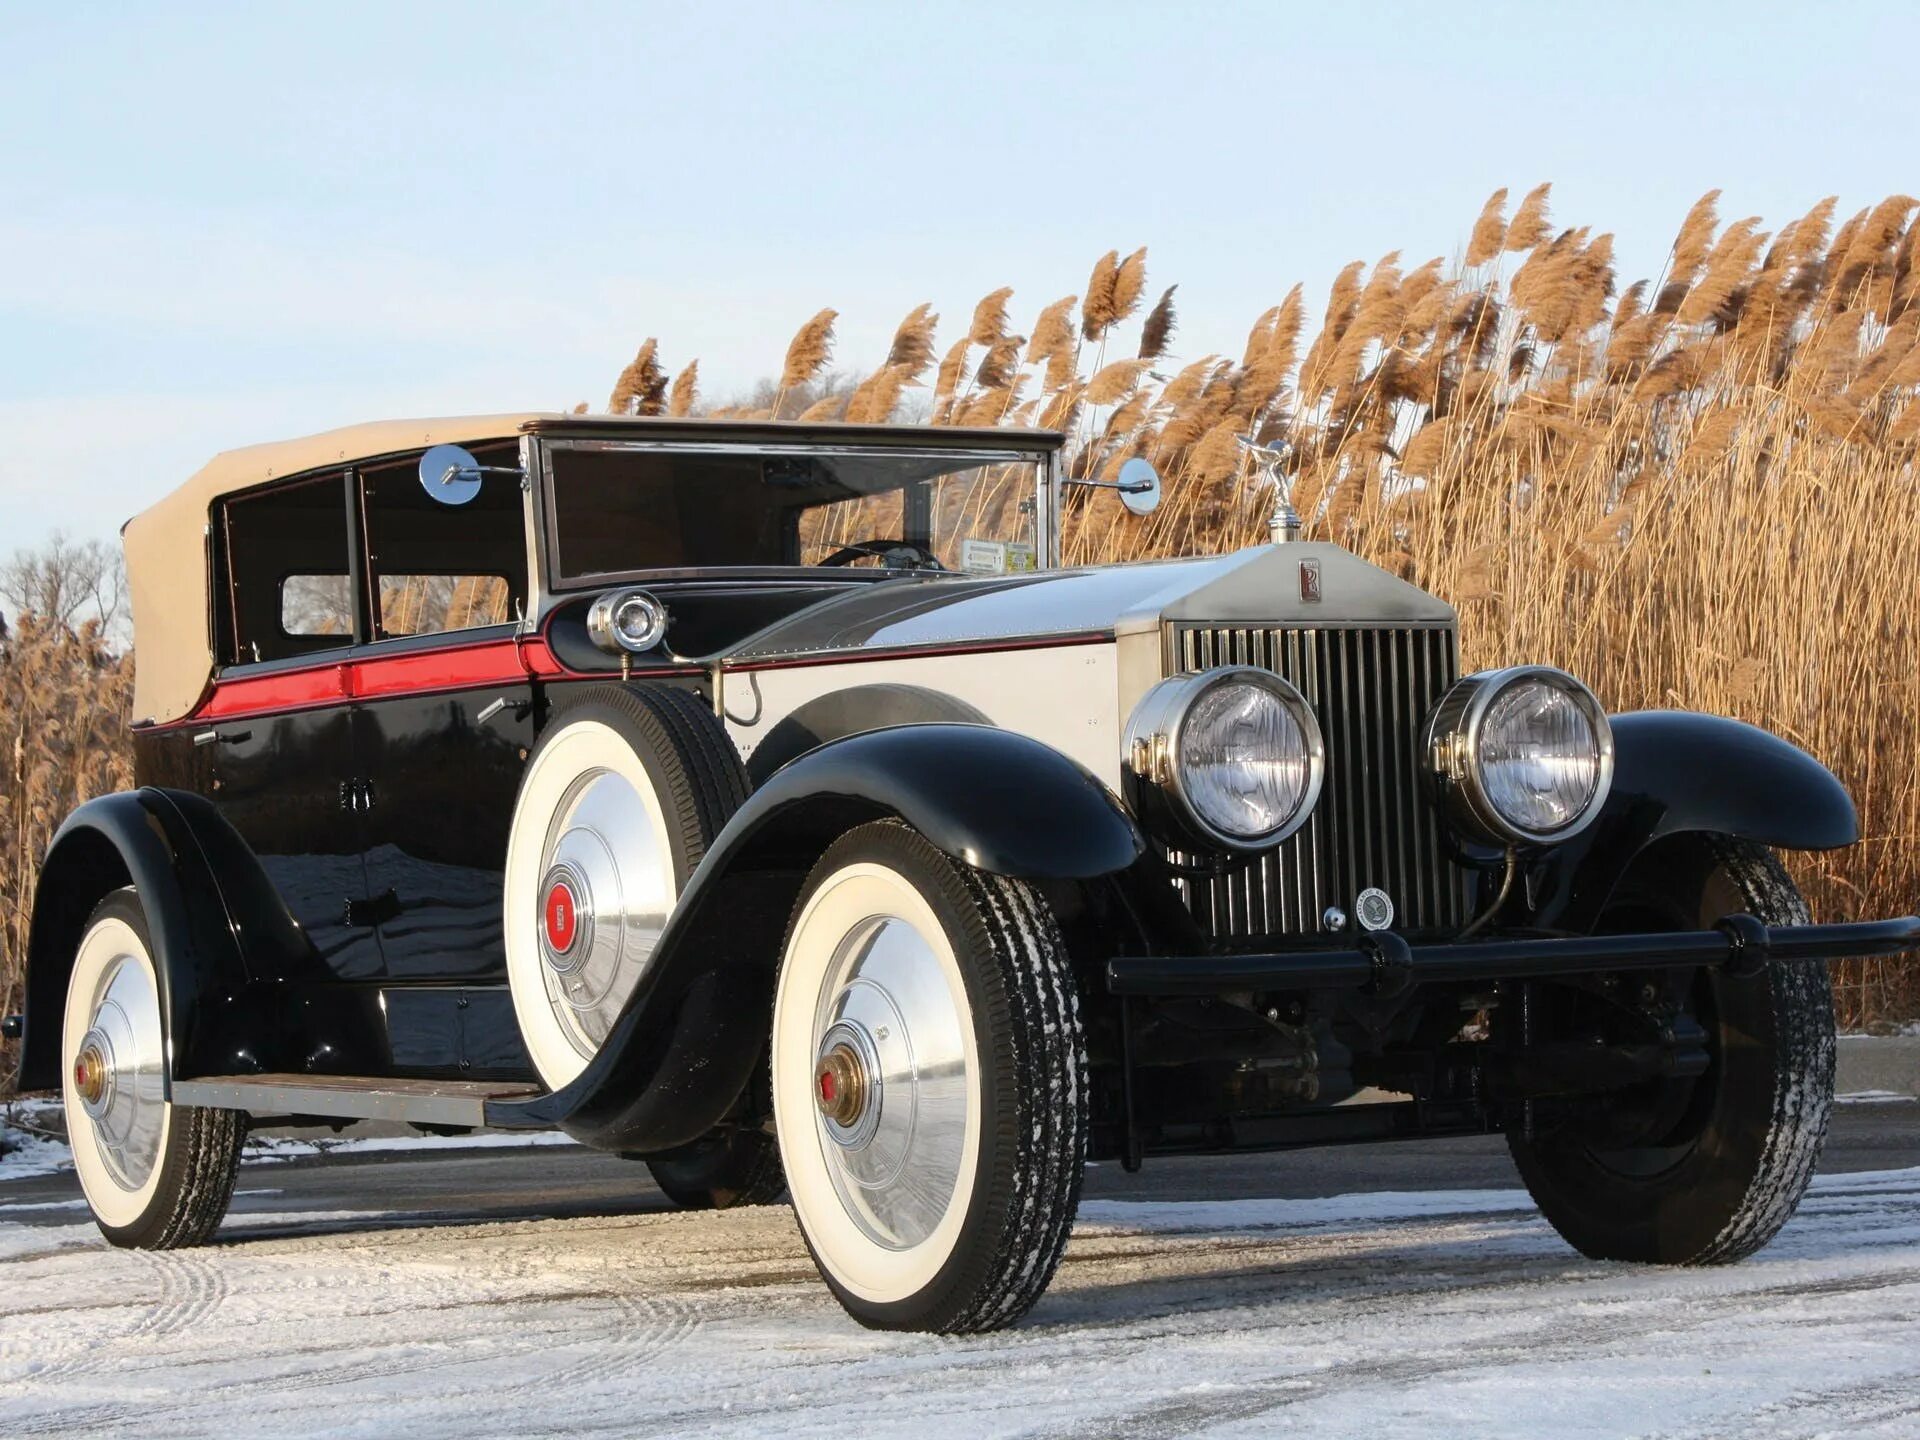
(686, 1045)
(140, 838)
(1675, 772)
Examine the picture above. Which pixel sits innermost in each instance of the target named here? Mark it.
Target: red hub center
(563, 919)
(90, 1075)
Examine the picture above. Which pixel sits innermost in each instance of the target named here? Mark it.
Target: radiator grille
(1374, 825)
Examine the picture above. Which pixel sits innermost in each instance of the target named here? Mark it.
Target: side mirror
(451, 475)
(1138, 486)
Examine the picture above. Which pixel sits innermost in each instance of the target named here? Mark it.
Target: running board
(351, 1097)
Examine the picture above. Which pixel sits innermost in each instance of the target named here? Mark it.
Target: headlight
(1229, 758)
(1520, 756)
(629, 620)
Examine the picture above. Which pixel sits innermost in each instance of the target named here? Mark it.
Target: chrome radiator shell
(1372, 688)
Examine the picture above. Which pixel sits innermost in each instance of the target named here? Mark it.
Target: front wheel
(1706, 1170)
(929, 1084)
(157, 1176)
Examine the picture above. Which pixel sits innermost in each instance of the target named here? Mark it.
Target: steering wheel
(923, 558)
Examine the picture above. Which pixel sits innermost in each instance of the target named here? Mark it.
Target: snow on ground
(1385, 1315)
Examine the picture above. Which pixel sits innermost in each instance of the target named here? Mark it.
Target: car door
(444, 719)
(279, 725)
(439, 772)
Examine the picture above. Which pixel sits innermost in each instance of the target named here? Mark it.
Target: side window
(283, 557)
(316, 605)
(436, 568)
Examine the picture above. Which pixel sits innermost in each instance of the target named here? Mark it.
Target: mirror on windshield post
(1139, 486)
(450, 474)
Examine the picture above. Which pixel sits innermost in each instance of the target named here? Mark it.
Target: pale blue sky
(222, 224)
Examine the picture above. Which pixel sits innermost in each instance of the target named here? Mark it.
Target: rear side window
(438, 568)
(283, 558)
(313, 605)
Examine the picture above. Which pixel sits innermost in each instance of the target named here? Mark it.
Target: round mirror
(450, 474)
(1139, 486)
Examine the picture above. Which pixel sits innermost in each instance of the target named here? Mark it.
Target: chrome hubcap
(117, 1073)
(605, 892)
(890, 1082)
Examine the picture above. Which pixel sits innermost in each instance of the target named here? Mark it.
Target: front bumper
(1385, 964)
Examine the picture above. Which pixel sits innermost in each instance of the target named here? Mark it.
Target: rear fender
(694, 1030)
(1677, 772)
(139, 838)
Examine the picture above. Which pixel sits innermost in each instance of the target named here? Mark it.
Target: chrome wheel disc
(890, 1081)
(117, 1072)
(606, 888)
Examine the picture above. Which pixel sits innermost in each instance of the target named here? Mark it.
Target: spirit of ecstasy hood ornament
(1284, 524)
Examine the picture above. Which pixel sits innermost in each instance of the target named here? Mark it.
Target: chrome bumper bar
(1385, 964)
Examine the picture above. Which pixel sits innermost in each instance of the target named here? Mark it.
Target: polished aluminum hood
(1301, 584)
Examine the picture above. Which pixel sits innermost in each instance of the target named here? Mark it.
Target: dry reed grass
(1697, 492)
(65, 700)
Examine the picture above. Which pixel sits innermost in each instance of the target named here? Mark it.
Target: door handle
(214, 737)
(497, 706)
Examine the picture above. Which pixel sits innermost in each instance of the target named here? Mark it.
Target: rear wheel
(157, 1176)
(1705, 1170)
(726, 1169)
(929, 1084)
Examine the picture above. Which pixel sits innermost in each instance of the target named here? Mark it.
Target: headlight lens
(1232, 758)
(1521, 756)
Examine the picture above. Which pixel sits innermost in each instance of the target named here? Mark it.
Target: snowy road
(1388, 1315)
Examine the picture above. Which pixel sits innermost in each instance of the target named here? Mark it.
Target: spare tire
(621, 797)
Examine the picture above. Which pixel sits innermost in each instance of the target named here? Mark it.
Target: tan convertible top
(166, 545)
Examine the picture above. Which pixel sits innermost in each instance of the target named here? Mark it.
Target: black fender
(1677, 772)
(219, 929)
(139, 838)
(687, 1044)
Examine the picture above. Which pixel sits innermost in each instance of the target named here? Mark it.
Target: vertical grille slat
(1372, 688)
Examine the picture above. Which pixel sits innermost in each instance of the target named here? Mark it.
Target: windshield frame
(554, 583)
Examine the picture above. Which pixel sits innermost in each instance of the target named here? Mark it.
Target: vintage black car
(765, 802)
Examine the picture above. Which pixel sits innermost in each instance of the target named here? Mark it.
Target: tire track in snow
(191, 1288)
(1550, 1337)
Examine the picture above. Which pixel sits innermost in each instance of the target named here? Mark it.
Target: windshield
(622, 510)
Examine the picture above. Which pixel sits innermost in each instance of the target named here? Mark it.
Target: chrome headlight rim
(627, 622)
(1452, 748)
(1153, 744)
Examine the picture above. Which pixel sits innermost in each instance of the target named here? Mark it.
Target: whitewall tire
(929, 1084)
(156, 1175)
(620, 799)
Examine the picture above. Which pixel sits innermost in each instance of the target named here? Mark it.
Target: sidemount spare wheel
(1704, 1169)
(620, 800)
(929, 1084)
(157, 1176)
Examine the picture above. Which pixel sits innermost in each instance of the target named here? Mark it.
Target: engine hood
(1299, 584)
